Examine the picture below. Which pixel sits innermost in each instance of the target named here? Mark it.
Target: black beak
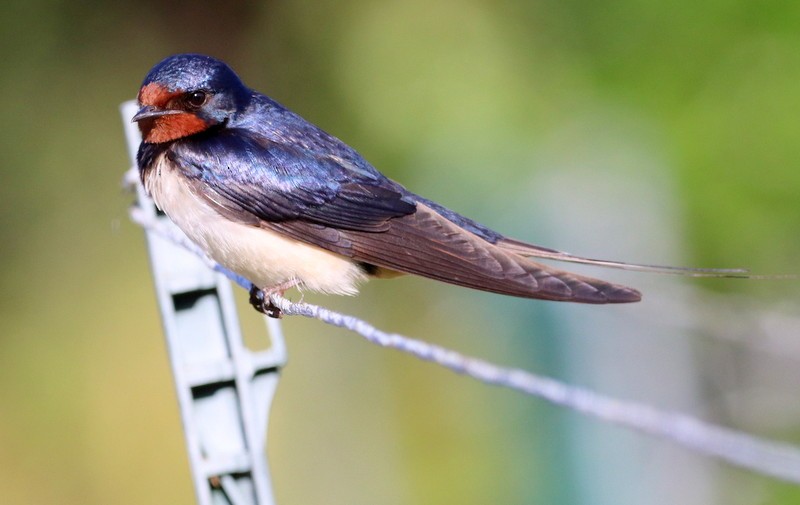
(151, 111)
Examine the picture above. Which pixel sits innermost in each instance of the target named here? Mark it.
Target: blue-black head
(187, 94)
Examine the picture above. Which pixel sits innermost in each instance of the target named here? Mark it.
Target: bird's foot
(260, 298)
(261, 302)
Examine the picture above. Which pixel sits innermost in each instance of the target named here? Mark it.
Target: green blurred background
(661, 132)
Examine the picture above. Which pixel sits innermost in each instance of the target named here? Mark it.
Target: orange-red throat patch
(171, 127)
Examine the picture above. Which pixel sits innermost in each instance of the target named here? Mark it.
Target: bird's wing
(364, 216)
(427, 244)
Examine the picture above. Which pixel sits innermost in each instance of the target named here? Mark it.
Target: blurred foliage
(457, 100)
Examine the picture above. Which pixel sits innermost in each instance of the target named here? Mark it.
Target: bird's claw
(260, 301)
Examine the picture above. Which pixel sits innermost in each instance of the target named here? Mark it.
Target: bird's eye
(196, 99)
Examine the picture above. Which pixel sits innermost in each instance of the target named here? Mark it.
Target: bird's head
(187, 94)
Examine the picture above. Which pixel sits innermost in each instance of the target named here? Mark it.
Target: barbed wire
(776, 459)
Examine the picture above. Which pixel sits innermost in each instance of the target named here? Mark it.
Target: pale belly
(261, 256)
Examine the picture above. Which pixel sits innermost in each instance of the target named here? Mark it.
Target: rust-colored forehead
(156, 94)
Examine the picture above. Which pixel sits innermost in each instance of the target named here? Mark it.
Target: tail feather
(530, 250)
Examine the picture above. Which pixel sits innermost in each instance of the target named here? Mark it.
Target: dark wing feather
(427, 244)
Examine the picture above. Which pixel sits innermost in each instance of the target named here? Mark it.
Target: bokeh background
(660, 132)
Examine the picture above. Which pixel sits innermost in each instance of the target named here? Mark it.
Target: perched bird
(282, 203)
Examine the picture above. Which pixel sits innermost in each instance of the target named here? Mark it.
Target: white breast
(262, 256)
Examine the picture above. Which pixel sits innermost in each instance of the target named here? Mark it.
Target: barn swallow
(282, 203)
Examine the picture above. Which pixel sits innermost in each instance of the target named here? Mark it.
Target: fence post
(224, 389)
